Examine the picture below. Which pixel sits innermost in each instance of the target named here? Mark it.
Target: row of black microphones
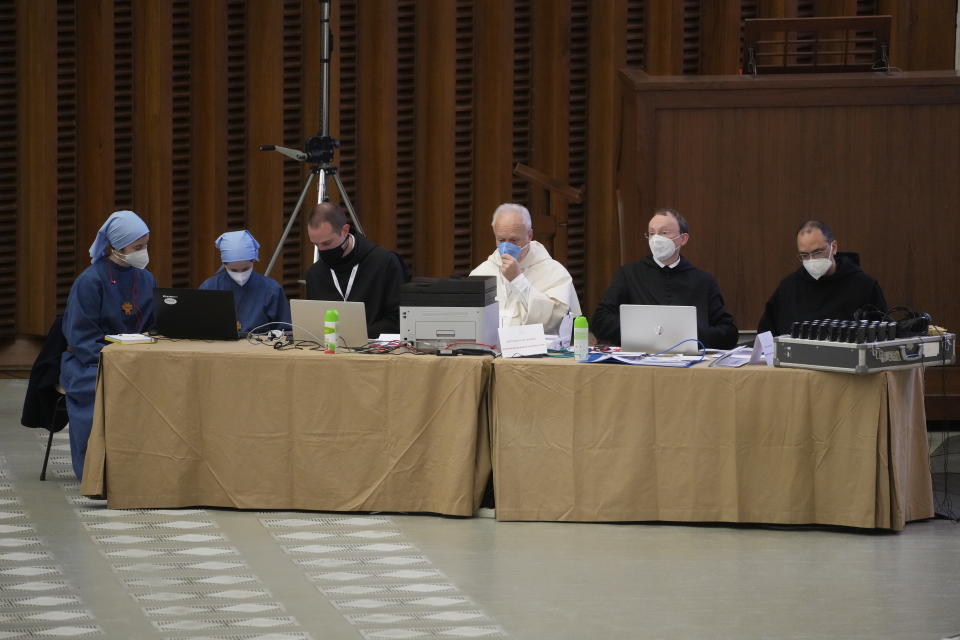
(853, 331)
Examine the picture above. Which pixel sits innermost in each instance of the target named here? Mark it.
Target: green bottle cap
(580, 322)
(331, 315)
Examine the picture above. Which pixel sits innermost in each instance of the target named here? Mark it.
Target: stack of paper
(129, 338)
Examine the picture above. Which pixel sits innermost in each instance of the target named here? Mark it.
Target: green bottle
(330, 318)
(581, 337)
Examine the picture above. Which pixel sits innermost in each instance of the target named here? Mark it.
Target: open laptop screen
(196, 314)
(652, 328)
(307, 317)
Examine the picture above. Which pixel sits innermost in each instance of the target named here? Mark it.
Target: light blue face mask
(510, 249)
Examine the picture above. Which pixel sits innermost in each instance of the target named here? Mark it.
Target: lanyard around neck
(336, 282)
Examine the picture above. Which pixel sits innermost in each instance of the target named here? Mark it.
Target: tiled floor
(69, 567)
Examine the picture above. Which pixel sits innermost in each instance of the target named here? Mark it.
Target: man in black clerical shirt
(354, 269)
(666, 278)
(828, 284)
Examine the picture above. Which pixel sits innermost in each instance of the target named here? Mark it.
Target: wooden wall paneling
(436, 120)
(835, 7)
(152, 129)
(208, 133)
(550, 86)
(664, 38)
(691, 36)
(861, 156)
(264, 123)
(122, 111)
(66, 150)
(774, 9)
(347, 101)
(824, 8)
(96, 153)
(310, 100)
(493, 132)
(806, 8)
(295, 33)
(608, 41)
(376, 118)
(237, 147)
(636, 33)
(181, 211)
(720, 37)
(9, 170)
(522, 94)
(777, 8)
(406, 129)
(463, 154)
(36, 226)
(923, 34)
(577, 157)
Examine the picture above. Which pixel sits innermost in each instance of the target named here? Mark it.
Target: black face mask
(333, 257)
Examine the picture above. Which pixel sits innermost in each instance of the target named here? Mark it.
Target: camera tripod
(318, 149)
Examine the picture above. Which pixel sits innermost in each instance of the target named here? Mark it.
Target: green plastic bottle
(330, 319)
(581, 337)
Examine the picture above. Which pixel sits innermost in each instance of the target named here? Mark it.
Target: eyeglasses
(816, 254)
(665, 234)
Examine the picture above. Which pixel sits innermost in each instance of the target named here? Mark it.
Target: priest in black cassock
(669, 279)
(353, 269)
(827, 284)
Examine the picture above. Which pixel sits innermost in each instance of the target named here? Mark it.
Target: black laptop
(196, 314)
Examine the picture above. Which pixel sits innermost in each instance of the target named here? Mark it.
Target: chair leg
(46, 457)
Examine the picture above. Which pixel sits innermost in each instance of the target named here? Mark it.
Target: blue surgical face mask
(510, 249)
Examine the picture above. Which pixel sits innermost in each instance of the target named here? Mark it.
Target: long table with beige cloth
(610, 443)
(233, 424)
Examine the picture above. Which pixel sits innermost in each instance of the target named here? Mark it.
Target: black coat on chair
(41, 406)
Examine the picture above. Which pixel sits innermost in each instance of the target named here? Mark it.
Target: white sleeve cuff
(520, 284)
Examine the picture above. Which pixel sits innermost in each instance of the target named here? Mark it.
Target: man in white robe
(532, 287)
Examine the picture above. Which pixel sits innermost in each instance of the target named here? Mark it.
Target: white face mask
(662, 247)
(240, 277)
(817, 267)
(138, 259)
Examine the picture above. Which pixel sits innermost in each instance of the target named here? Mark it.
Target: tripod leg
(347, 203)
(286, 231)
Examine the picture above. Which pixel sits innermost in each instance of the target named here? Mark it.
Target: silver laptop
(307, 317)
(652, 328)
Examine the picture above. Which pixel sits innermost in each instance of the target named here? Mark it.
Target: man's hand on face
(509, 267)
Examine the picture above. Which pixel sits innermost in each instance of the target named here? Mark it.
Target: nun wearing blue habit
(258, 299)
(113, 295)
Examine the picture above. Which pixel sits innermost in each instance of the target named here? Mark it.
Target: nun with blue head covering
(113, 295)
(258, 299)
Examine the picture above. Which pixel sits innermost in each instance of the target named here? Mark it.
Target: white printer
(438, 312)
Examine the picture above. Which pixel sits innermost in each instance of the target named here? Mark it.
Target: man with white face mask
(258, 299)
(827, 284)
(666, 278)
(532, 287)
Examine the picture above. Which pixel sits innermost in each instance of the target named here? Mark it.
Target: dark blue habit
(259, 301)
(105, 299)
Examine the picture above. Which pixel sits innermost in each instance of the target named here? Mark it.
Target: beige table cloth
(233, 424)
(608, 442)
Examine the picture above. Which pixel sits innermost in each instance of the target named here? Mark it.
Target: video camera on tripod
(318, 149)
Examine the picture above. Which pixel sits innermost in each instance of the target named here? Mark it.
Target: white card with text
(525, 340)
(762, 349)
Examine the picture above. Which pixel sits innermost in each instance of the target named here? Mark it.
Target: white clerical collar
(662, 264)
